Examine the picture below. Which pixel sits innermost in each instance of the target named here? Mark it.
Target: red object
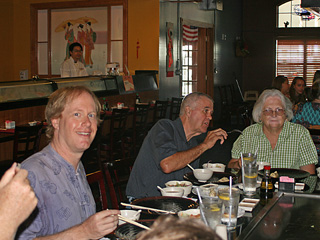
(138, 49)
(7, 130)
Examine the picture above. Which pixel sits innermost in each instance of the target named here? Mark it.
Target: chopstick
(132, 222)
(147, 208)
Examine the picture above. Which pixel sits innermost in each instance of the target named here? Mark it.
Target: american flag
(190, 33)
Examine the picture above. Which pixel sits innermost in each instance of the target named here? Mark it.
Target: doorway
(197, 58)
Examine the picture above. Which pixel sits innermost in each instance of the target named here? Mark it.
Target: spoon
(235, 130)
(190, 167)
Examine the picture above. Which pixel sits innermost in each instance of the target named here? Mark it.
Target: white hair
(257, 109)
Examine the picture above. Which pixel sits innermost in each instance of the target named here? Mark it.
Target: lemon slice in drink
(251, 176)
(215, 209)
(224, 197)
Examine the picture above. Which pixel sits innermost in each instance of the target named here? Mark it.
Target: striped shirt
(294, 147)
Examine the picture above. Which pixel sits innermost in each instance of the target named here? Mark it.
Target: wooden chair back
(117, 174)
(26, 141)
(175, 108)
(160, 110)
(98, 188)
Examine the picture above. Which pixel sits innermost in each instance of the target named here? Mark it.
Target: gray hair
(191, 101)
(257, 109)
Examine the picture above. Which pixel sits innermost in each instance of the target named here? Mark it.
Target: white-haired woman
(278, 141)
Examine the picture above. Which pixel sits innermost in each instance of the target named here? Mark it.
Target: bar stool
(175, 108)
(134, 136)
(110, 146)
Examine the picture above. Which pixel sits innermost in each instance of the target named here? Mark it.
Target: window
(298, 58)
(189, 67)
(291, 15)
(99, 27)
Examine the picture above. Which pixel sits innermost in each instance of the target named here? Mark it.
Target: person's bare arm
(235, 163)
(309, 168)
(95, 227)
(181, 159)
(17, 201)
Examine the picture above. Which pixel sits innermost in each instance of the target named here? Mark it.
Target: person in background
(17, 201)
(73, 67)
(66, 207)
(308, 114)
(172, 228)
(282, 84)
(316, 76)
(170, 146)
(297, 94)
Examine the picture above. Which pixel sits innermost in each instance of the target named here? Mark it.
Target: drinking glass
(230, 202)
(211, 208)
(250, 172)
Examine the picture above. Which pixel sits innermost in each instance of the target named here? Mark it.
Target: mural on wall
(79, 25)
(170, 67)
(85, 36)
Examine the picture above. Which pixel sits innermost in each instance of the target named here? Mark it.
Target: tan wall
(143, 24)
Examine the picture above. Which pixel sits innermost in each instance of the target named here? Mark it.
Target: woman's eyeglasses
(277, 111)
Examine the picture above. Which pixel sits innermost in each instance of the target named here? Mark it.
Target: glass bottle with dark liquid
(267, 187)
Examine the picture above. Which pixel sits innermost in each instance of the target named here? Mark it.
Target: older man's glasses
(270, 112)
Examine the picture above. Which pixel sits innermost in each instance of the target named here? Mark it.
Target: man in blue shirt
(170, 146)
(66, 208)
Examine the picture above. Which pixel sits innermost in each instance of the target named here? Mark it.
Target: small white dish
(215, 167)
(172, 192)
(130, 214)
(185, 185)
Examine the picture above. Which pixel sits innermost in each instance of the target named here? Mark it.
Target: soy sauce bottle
(267, 187)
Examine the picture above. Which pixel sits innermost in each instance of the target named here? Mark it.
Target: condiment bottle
(267, 187)
(138, 100)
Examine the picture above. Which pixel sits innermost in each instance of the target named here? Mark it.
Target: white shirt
(71, 69)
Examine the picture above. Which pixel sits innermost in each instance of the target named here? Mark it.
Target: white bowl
(190, 213)
(209, 190)
(172, 192)
(130, 214)
(185, 185)
(216, 167)
(202, 174)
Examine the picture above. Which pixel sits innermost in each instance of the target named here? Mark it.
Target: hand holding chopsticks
(147, 208)
(132, 222)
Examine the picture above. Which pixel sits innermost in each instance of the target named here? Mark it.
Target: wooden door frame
(206, 46)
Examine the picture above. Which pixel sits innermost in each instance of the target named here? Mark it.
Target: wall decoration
(88, 26)
(169, 64)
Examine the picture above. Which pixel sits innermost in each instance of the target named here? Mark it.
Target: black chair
(110, 146)
(175, 108)
(117, 175)
(26, 142)
(159, 112)
(134, 136)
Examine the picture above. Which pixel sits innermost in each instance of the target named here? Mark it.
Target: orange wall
(6, 56)
(143, 24)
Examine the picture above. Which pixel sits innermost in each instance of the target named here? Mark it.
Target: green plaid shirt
(294, 147)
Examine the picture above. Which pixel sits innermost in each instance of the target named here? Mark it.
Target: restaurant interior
(234, 58)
